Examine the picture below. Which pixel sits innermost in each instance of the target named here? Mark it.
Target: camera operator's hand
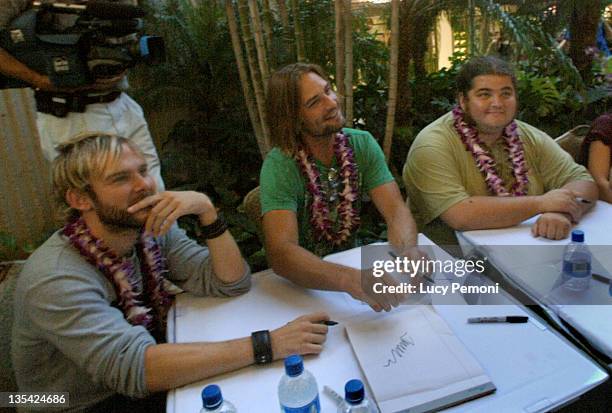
(106, 83)
(42, 82)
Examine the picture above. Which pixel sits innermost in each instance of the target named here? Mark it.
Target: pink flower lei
(121, 273)
(486, 164)
(319, 208)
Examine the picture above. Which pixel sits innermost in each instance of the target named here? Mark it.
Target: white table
(533, 367)
(533, 265)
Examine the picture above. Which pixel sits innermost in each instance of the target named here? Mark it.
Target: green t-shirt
(283, 186)
(439, 172)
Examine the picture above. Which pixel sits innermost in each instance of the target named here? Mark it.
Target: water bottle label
(312, 407)
(580, 268)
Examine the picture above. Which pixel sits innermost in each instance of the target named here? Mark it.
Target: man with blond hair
(313, 184)
(91, 302)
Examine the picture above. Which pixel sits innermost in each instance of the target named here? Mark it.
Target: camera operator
(102, 106)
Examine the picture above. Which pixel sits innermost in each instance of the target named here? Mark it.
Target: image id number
(49, 399)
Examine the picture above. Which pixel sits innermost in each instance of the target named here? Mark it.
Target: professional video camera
(101, 39)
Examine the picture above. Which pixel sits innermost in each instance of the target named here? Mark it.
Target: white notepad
(414, 363)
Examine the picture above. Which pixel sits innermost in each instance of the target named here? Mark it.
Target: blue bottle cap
(353, 391)
(211, 397)
(294, 366)
(577, 236)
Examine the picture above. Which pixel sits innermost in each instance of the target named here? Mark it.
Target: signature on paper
(400, 349)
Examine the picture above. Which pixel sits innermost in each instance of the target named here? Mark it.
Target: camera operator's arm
(11, 67)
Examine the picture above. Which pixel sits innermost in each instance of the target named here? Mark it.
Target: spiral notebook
(414, 363)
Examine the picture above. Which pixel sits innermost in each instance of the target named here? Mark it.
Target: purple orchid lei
(120, 272)
(486, 164)
(319, 208)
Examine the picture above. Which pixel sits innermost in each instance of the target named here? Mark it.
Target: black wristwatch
(262, 346)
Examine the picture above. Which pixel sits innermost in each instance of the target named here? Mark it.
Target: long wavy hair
(283, 105)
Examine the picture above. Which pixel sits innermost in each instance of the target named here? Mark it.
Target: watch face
(262, 347)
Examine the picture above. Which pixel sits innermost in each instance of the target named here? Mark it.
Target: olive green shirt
(439, 171)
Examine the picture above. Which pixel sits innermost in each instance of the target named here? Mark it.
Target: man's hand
(361, 287)
(169, 206)
(561, 200)
(552, 225)
(402, 239)
(304, 335)
(43, 82)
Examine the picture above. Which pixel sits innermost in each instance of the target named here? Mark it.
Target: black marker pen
(506, 319)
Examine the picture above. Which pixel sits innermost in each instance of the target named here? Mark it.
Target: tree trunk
(268, 22)
(340, 66)
(415, 26)
(404, 93)
(247, 38)
(422, 29)
(259, 42)
(484, 31)
(244, 78)
(390, 126)
(299, 34)
(284, 17)
(471, 29)
(583, 30)
(348, 52)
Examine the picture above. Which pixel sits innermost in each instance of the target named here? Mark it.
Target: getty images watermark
(423, 268)
(433, 274)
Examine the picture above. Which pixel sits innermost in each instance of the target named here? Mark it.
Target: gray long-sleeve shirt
(68, 337)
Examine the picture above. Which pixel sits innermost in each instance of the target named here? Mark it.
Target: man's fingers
(163, 216)
(170, 220)
(551, 231)
(317, 338)
(315, 317)
(319, 328)
(375, 306)
(144, 203)
(311, 348)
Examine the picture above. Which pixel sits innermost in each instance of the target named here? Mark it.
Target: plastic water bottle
(297, 390)
(212, 401)
(355, 400)
(577, 263)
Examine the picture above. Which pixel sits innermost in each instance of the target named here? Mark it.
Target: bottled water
(212, 401)
(355, 400)
(297, 390)
(577, 263)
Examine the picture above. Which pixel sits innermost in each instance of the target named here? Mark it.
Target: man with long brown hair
(313, 184)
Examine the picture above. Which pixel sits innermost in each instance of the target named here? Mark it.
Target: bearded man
(91, 302)
(477, 167)
(313, 184)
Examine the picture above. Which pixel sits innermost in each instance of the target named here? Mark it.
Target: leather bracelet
(262, 346)
(215, 229)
